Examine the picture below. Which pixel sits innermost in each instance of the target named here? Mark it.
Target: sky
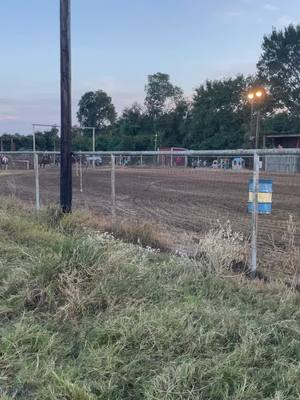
(116, 44)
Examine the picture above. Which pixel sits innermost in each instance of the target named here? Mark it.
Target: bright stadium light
(255, 96)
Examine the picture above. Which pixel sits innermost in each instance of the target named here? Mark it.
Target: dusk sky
(117, 43)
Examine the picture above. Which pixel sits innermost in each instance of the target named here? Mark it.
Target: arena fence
(257, 192)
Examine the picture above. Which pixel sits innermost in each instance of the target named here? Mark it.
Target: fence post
(80, 173)
(37, 181)
(113, 190)
(76, 168)
(94, 147)
(254, 214)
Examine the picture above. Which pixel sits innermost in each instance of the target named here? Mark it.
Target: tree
(96, 110)
(131, 121)
(174, 125)
(162, 99)
(220, 114)
(279, 67)
(281, 122)
(161, 95)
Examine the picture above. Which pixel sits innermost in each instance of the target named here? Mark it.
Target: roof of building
(282, 135)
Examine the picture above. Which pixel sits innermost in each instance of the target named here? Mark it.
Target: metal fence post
(254, 214)
(76, 168)
(37, 181)
(94, 147)
(80, 173)
(113, 190)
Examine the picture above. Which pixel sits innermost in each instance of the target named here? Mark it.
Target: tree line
(216, 117)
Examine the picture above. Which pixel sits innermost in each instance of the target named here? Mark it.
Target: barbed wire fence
(183, 190)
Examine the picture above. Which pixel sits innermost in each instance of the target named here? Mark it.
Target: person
(279, 147)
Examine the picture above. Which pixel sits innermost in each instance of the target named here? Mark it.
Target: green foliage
(279, 67)
(282, 122)
(161, 94)
(219, 114)
(85, 316)
(132, 120)
(96, 110)
(45, 140)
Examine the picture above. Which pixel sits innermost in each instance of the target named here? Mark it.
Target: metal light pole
(155, 141)
(257, 130)
(256, 95)
(252, 117)
(66, 114)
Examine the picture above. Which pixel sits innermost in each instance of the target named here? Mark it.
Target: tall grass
(86, 316)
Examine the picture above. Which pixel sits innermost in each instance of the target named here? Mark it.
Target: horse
(45, 160)
(77, 158)
(3, 162)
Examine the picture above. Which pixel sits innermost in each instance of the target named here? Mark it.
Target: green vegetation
(216, 117)
(84, 316)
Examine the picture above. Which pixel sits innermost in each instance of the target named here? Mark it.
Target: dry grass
(143, 233)
(222, 249)
(87, 316)
(283, 261)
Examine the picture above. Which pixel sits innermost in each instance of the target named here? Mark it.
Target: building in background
(282, 163)
(170, 160)
(284, 140)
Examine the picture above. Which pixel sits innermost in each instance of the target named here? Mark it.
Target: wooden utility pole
(66, 117)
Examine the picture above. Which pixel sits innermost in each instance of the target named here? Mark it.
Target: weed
(86, 316)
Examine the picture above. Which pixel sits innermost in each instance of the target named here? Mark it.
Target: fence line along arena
(190, 197)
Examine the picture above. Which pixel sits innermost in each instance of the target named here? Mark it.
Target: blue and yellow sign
(264, 196)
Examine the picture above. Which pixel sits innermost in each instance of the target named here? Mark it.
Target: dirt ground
(181, 200)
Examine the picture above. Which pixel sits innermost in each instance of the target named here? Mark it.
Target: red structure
(172, 161)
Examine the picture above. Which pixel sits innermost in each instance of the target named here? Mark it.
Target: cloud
(285, 20)
(8, 117)
(270, 7)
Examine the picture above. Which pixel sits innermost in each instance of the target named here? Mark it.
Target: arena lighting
(256, 93)
(255, 96)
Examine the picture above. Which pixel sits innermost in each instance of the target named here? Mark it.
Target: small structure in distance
(238, 163)
(170, 160)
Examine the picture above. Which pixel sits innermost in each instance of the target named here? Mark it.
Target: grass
(87, 316)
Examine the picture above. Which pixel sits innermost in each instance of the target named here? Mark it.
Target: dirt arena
(182, 200)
